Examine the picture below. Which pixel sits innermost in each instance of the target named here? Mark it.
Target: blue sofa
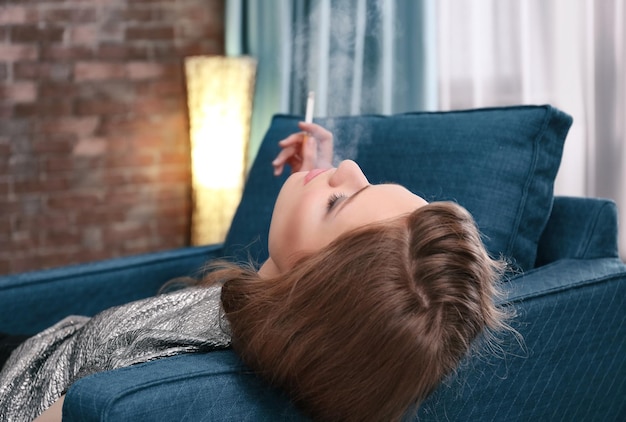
(567, 283)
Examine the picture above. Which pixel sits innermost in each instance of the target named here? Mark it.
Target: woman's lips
(312, 174)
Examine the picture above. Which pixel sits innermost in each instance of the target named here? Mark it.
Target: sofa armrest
(570, 314)
(579, 228)
(214, 386)
(570, 364)
(33, 301)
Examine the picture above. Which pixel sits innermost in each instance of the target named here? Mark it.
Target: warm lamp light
(219, 95)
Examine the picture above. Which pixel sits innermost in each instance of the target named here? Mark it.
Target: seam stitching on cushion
(529, 179)
(107, 407)
(584, 247)
(110, 404)
(582, 283)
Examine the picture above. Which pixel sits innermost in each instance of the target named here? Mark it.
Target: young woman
(369, 298)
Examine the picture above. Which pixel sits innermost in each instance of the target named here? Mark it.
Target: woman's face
(313, 208)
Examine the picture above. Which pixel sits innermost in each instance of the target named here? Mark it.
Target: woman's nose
(348, 174)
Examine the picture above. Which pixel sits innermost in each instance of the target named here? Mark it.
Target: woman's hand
(307, 150)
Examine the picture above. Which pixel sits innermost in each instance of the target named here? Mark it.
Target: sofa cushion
(579, 228)
(214, 386)
(499, 163)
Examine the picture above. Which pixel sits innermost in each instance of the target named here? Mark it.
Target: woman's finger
(293, 139)
(309, 154)
(318, 132)
(283, 158)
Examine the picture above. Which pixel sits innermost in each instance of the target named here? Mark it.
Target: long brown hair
(367, 327)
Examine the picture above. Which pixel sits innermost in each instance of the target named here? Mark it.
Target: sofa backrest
(499, 163)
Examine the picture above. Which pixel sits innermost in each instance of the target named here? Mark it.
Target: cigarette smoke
(337, 54)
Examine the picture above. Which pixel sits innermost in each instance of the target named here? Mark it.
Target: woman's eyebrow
(347, 201)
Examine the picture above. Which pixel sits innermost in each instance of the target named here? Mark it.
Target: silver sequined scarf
(43, 368)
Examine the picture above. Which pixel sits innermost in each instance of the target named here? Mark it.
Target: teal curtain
(359, 56)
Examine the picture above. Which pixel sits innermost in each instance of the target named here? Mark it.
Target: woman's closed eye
(335, 199)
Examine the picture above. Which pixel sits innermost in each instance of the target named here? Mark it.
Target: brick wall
(94, 155)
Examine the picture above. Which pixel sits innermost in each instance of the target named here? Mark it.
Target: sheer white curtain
(569, 53)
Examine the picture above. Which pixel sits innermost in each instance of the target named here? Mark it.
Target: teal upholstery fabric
(499, 163)
(205, 387)
(31, 302)
(581, 228)
(570, 367)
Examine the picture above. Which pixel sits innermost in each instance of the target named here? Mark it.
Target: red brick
(34, 33)
(83, 34)
(11, 15)
(52, 89)
(174, 158)
(126, 177)
(86, 71)
(62, 52)
(84, 177)
(112, 213)
(74, 200)
(9, 206)
(55, 143)
(142, 14)
(43, 108)
(58, 163)
(132, 160)
(18, 92)
(6, 265)
(38, 186)
(6, 111)
(81, 126)
(192, 48)
(122, 51)
(146, 70)
(42, 222)
(60, 237)
(125, 231)
(74, 15)
(42, 259)
(90, 147)
(174, 175)
(155, 106)
(92, 237)
(26, 70)
(23, 165)
(144, 1)
(12, 52)
(4, 191)
(16, 128)
(94, 255)
(161, 88)
(100, 107)
(149, 33)
(116, 127)
(5, 148)
(42, 71)
(23, 240)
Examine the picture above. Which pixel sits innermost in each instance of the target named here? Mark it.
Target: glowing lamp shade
(219, 95)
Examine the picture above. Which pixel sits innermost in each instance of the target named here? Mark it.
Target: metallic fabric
(43, 368)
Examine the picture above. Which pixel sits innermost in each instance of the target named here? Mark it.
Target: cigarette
(310, 104)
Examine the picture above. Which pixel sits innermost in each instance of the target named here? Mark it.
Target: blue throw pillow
(499, 163)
